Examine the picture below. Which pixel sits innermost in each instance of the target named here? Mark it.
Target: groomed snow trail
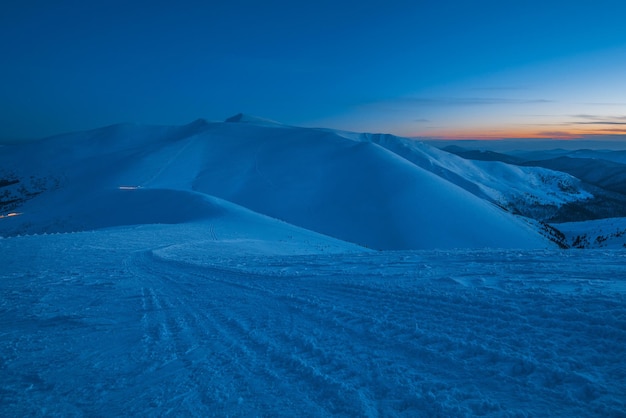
(112, 323)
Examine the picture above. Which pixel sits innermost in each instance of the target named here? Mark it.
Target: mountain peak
(200, 122)
(255, 120)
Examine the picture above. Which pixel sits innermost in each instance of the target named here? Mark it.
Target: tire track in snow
(360, 344)
(386, 334)
(228, 354)
(521, 347)
(343, 380)
(181, 366)
(259, 346)
(362, 326)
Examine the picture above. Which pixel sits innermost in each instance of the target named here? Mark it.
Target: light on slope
(9, 215)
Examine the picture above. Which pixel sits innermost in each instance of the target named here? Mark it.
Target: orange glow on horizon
(563, 133)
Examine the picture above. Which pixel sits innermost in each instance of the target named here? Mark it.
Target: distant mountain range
(600, 172)
(378, 191)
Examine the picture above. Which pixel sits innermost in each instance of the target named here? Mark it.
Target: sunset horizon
(452, 69)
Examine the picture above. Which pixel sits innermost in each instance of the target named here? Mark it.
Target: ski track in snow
(88, 328)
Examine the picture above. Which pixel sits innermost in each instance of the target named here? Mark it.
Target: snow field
(186, 295)
(601, 233)
(349, 189)
(170, 320)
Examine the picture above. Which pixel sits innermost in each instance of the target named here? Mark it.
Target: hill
(352, 189)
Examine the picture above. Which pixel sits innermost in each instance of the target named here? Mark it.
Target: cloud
(599, 122)
(557, 134)
(606, 104)
(500, 88)
(585, 116)
(597, 117)
(466, 101)
(614, 130)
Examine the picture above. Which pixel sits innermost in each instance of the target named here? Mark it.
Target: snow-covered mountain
(534, 192)
(600, 233)
(352, 189)
(185, 294)
(617, 156)
(607, 174)
(600, 176)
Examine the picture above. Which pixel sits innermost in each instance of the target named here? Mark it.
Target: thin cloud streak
(557, 134)
(466, 101)
(599, 123)
(605, 104)
(500, 88)
(585, 116)
(599, 118)
(615, 130)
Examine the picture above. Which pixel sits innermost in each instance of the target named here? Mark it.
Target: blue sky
(479, 69)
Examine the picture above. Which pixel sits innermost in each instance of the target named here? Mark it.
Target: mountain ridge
(349, 188)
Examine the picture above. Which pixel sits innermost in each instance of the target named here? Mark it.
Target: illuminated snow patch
(9, 215)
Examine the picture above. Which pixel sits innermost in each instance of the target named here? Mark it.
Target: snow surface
(600, 233)
(319, 180)
(205, 319)
(205, 281)
(510, 186)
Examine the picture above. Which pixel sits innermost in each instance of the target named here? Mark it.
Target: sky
(430, 69)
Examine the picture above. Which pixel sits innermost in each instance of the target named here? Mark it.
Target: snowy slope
(604, 179)
(349, 189)
(526, 190)
(173, 320)
(601, 233)
(176, 300)
(603, 173)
